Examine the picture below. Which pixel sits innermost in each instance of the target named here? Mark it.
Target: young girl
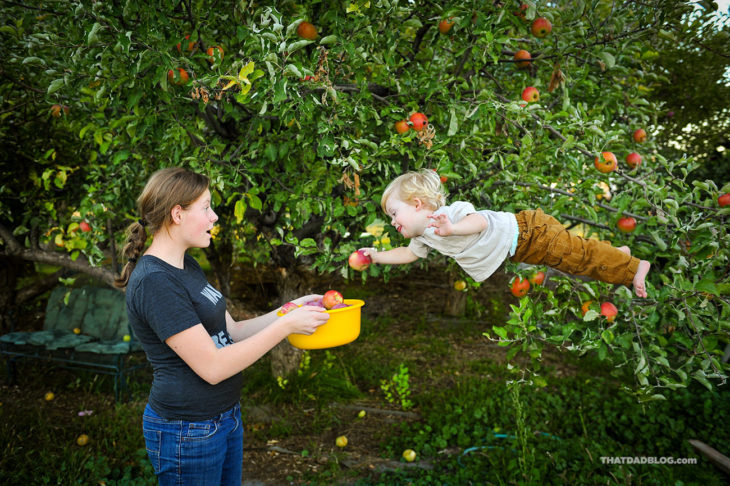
(480, 241)
(192, 422)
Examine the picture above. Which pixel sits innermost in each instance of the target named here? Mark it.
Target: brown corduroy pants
(544, 241)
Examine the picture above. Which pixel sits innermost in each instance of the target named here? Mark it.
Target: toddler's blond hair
(424, 185)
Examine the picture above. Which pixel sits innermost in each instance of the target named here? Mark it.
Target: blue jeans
(195, 453)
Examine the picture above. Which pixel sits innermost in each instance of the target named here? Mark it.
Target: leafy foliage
(298, 137)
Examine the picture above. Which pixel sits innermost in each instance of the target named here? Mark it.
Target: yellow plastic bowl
(342, 327)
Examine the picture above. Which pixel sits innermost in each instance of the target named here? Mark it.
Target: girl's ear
(175, 213)
(418, 203)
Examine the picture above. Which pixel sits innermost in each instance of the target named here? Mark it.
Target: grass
(468, 424)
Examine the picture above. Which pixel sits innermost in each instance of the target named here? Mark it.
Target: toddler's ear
(418, 203)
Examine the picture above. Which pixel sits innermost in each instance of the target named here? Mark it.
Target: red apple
(633, 160)
(288, 307)
(626, 224)
(523, 58)
(724, 200)
(521, 12)
(57, 109)
(609, 311)
(85, 227)
(419, 121)
(606, 162)
(586, 306)
(331, 298)
(541, 27)
(191, 45)
(305, 30)
(446, 25)
(639, 135)
(359, 260)
(211, 51)
(537, 279)
(402, 126)
(181, 77)
(520, 287)
(530, 94)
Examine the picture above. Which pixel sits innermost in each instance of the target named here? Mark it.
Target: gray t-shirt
(163, 300)
(479, 254)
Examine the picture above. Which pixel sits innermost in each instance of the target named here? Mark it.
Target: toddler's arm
(473, 223)
(395, 256)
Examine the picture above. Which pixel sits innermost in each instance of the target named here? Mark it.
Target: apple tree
(296, 111)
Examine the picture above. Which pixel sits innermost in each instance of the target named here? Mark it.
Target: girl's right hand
(306, 319)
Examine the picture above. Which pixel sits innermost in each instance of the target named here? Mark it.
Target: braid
(136, 238)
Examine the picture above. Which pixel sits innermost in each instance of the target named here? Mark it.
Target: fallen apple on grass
(459, 285)
(341, 441)
(409, 455)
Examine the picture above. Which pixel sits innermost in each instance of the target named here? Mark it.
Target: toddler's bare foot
(640, 278)
(625, 249)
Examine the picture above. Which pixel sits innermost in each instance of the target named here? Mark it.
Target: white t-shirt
(479, 254)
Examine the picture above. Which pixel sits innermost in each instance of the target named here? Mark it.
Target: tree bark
(291, 284)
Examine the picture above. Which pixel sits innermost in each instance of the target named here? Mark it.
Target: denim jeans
(203, 453)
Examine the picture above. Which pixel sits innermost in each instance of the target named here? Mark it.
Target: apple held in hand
(606, 162)
(520, 287)
(626, 224)
(331, 298)
(359, 260)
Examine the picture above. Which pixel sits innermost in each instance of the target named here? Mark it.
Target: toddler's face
(408, 219)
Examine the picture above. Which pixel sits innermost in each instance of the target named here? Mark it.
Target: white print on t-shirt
(221, 339)
(211, 294)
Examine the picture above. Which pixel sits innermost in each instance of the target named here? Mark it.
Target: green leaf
(239, 210)
(500, 331)
(330, 39)
(55, 85)
(453, 123)
(607, 59)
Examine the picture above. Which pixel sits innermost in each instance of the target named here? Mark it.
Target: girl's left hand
(441, 223)
(307, 298)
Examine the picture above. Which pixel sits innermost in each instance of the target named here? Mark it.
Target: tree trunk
(10, 269)
(291, 284)
(455, 305)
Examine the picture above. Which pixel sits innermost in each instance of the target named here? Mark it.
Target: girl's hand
(306, 319)
(371, 252)
(307, 298)
(442, 224)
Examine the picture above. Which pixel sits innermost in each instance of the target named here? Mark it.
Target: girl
(192, 421)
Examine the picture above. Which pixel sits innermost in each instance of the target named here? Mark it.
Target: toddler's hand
(371, 252)
(442, 224)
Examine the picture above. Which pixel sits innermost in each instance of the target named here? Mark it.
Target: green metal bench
(105, 343)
